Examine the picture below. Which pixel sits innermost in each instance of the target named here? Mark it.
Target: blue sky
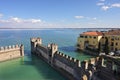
(59, 13)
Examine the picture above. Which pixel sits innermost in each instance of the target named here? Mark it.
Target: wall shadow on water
(45, 70)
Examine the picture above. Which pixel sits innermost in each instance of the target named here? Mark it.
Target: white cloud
(79, 17)
(16, 22)
(102, 0)
(4, 21)
(20, 20)
(1, 15)
(87, 18)
(94, 18)
(116, 5)
(100, 4)
(105, 8)
(36, 21)
(15, 19)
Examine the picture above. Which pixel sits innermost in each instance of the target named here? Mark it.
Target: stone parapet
(10, 52)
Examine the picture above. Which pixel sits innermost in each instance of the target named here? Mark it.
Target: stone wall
(43, 52)
(75, 67)
(71, 67)
(10, 52)
(66, 64)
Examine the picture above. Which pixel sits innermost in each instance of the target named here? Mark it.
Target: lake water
(31, 67)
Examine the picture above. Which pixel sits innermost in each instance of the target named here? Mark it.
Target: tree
(106, 48)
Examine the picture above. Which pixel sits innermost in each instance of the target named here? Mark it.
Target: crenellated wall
(10, 52)
(72, 68)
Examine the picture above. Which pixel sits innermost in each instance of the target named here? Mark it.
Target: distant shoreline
(49, 28)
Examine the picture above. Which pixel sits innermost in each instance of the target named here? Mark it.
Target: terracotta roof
(113, 32)
(93, 33)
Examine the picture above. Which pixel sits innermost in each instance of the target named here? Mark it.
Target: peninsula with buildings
(96, 42)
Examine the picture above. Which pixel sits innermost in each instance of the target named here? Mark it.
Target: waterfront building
(113, 37)
(89, 40)
(97, 41)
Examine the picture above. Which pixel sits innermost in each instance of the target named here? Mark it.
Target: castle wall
(72, 68)
(43, 53)
(10, 52)
(68, 65)
(64, 66)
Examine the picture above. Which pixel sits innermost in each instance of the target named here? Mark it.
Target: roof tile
(93, 33)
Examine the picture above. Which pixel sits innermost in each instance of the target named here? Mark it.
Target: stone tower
(34, 42)
(53, 49)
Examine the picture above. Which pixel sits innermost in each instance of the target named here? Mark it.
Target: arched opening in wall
(86, 44)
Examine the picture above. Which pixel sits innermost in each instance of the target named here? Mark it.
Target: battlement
(10, 52)
(84, 64)
(53, 48)
(8, 48)
(52, 44)
(34, 39)
(34, 43)
(69, 59)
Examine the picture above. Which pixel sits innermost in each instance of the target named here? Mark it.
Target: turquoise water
(30, 67)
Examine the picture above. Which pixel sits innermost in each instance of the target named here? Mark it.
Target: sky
(59, 13)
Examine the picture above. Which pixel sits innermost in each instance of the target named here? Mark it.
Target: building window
(94, 37)
(85, 36)
(81, 36)
(112, 44)
(112, 39)
(116, 44)
(90, 36)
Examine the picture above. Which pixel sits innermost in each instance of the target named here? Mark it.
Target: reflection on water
(28, 68)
